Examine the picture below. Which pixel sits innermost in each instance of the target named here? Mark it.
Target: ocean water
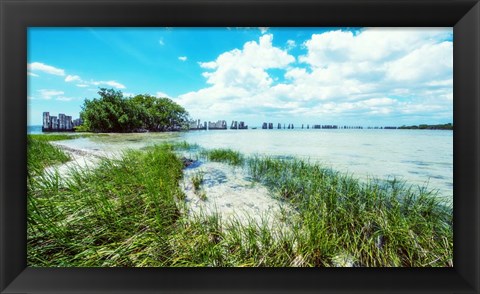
(419, 157)
(34, 129)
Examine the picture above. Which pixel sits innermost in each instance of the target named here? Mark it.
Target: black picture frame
(16, 16)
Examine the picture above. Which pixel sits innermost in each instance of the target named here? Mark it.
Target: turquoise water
(420, 157)
(34, 129)
(417, 156)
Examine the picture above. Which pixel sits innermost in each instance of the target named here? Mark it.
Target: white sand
(81, 159)
(233, 196)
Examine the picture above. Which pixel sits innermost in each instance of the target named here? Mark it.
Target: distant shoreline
(37, 129)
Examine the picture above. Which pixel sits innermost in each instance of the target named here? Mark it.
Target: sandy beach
(228, 190)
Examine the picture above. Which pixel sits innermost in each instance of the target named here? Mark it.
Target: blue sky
(345, 76)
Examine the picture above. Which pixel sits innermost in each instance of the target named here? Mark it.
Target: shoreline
(136, 143)
(228, 191)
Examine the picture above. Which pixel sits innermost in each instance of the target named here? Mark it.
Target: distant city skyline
(328, 76)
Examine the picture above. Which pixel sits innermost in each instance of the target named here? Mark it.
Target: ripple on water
(417, 162)
(214, 177)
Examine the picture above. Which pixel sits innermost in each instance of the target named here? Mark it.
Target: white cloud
(427, 63)
(182, 58)
(448, 82)
(72, 78)
(38, 66)
(109, 83)
(85, 84)
(263, 30)
(399, 63)
(208, 65)
(49, 94)
(372, 73)
(32, 74)
(372, 44)
(64, 99)
(162, 95)
(161, 42)
(248, 66)
(237, 77)
(291, 44)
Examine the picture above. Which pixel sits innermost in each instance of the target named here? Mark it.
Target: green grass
(130, 212)
(202, 195)
(41, 154)
(119, 214)
(374, 223)
(210, 241)
(184, 145)
(224, 155)
(59, 137)
(197, 180)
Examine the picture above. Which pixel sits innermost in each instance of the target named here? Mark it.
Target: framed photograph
(235, 146)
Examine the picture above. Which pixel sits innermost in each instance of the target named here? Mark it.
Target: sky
(343, 76)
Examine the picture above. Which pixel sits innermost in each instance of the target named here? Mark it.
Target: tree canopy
(448, 126)
(113, 112)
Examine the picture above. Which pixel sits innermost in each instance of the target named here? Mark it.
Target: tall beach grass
(224, 155)
(369, 223)
(119, 214)
(41, 154)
